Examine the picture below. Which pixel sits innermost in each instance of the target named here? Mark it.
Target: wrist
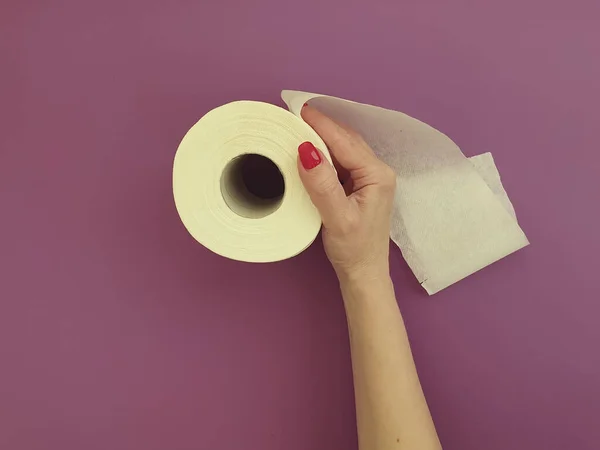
(366, 292)
(364, 273)
(367, 278)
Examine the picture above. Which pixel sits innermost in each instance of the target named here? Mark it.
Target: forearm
(390, 407)
(391, 410)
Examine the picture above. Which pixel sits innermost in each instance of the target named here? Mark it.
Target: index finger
(345, 145)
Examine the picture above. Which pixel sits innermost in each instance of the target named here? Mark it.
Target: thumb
(321, 183)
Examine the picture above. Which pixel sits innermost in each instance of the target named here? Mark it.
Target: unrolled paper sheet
(446, 219)
(451, 215)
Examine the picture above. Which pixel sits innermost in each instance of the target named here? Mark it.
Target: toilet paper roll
(212, 182)
(451, 215)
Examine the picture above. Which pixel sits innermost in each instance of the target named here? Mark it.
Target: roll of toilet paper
(451, 215)
(236, 183)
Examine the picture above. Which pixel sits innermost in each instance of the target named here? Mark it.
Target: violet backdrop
(119, 331)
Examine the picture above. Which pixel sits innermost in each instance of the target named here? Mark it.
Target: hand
(355, 204)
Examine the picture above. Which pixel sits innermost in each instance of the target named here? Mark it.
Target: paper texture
(211, 199)
(486, 168)
(451, 216)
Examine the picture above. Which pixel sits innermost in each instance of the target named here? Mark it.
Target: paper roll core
(252, 186)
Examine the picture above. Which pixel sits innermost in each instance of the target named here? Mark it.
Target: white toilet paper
(212, 198)
(446, 219)
(451, 215)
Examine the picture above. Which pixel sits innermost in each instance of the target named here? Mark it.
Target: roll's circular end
(236, 184)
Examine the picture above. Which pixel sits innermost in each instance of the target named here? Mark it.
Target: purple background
(119, 331)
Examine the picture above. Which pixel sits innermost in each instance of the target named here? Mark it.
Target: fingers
(321, 183)
(346, 146)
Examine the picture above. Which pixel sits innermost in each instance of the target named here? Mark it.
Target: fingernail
(309, 155)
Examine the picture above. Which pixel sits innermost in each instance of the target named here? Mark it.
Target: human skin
(355, 202)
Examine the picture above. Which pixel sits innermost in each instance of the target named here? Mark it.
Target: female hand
(355, 204)
(391, 411)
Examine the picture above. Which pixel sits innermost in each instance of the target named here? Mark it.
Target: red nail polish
(309, 155)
